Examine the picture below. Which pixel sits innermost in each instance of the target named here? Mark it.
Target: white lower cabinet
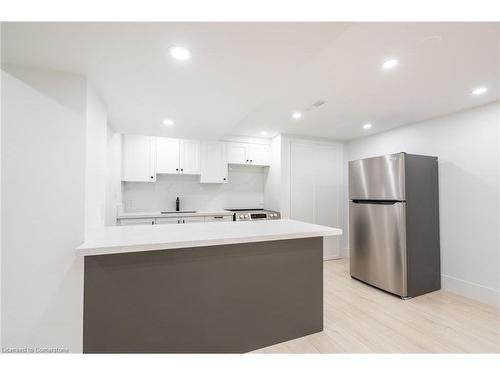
(144, 221)
(180, 220)
(192, 219)
(168, 220)
(174, 220)
(218, 218)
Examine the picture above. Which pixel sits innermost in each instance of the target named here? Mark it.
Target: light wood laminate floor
(362, 319)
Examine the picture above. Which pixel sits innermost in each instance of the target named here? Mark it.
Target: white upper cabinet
(213, 162)
(258, 154)
(139, 158)
(248, 154)
(177, 156)
(189, 159)
(167, 155)
(236, 153)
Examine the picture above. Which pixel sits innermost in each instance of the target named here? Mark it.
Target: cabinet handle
(152, 222)
(183, 221)
(218, 217)
(152, 177)
(246, 161)
(178, 221)
(177, 169)
(251, 161)
(224, 178)
(182, 169)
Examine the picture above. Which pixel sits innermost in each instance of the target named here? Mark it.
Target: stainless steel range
(249, 214)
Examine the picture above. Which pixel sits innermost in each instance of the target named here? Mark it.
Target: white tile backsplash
(244, 189)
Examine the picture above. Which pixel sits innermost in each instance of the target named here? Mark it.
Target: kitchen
(339, 194)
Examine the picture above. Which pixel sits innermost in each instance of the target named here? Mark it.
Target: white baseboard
(471, 290)
(478, 292)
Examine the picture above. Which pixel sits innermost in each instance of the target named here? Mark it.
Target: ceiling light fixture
(367, 126)
(296, 115)
(390, 64)
(479, 91)
(168, 122)
(263, 133)
(180, 53)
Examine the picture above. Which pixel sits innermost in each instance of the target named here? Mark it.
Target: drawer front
(192, 219)
(143, 221)
(168, 220)
(219, 218)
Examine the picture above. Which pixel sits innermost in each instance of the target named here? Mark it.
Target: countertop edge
(202, 243)
(145, 215)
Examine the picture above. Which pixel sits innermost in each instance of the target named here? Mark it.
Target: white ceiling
(244, 78)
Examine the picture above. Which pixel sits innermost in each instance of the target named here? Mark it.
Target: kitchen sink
(177, 212)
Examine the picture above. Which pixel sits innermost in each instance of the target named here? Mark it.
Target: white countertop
(123, 239)
(142, 215)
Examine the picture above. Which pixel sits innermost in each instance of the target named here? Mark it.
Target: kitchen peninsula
(227, 287)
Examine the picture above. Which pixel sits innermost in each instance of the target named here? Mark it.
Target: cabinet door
(218, 218)
(168, 220)
(237, 153)
(189, 157)
(213, 163)
(139, 154)
(144, 221)
(193, 219)
(167, 155)
(258, 154)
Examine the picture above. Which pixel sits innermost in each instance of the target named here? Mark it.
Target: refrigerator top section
(378, 178)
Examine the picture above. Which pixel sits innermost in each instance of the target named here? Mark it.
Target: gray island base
(230, 298)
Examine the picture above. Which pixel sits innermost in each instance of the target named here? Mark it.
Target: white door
(167, 155)
(189, 160)
(213, 163)
(139, 154)
(315, 194)
(258, 154)
(237, 153)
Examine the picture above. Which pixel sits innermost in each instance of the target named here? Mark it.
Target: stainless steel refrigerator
(394, 223)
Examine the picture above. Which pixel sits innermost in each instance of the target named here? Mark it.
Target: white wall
(43, 208)
(96, 167)
(244, 189)
(113, 198)
(467, 145)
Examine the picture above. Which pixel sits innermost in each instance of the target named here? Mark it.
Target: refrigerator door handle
(372, 201)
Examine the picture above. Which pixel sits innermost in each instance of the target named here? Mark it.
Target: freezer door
(379, 178)
(377, 239)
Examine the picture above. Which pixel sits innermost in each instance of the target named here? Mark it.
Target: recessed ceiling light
(180, 53)
(367, 126)
(390, 64)
(168, 122)
(296, 115)
(479, 91)
(263, 133)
